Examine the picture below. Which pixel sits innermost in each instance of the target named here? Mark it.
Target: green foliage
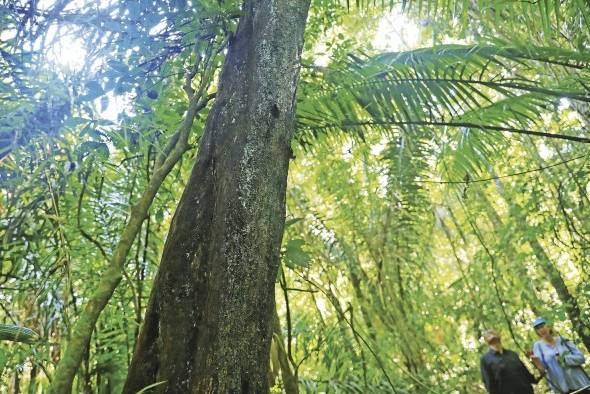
(18, 334)
(425, 196)
(478, 89)
(295, 255)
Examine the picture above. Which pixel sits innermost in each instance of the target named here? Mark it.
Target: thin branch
(283, 283)
(542, 168)
(8, 314)
(494, 277)
(302, 290)
(469, 125)
(501, 86)
(368, 346)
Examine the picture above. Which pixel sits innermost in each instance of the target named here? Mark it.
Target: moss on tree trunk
(208, 323)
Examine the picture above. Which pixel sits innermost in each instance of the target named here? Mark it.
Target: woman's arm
(536, 361)
(538, 353)
(573, 357)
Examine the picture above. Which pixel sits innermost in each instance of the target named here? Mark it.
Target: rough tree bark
(208, 323)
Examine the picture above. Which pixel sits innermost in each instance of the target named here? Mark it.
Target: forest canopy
(437, 186)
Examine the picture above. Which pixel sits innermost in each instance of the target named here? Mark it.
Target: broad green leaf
(295, 255)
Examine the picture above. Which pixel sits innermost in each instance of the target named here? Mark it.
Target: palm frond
(492, 89)
(544, 15)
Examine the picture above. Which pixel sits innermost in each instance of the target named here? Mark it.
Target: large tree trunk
(208, 324)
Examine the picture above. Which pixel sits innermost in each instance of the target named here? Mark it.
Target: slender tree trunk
(570, 303)
(16, 381)
(208, 324)
(32, 389)
(82, 331)
(478, 310)
(290, 380)
(519, 269)
(568, 300)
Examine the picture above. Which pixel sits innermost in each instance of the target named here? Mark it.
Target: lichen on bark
(208, 323)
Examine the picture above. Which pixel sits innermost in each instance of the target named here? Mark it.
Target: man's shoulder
(486, 355)
(492, 354)
(511, 353)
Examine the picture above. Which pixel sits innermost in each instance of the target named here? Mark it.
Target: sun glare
(68, 52)
(396, 32)
(63, 47)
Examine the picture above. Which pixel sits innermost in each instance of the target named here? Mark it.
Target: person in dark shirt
(501, 369)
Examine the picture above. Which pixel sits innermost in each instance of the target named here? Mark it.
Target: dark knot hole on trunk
(245, 385)
(274, 110)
